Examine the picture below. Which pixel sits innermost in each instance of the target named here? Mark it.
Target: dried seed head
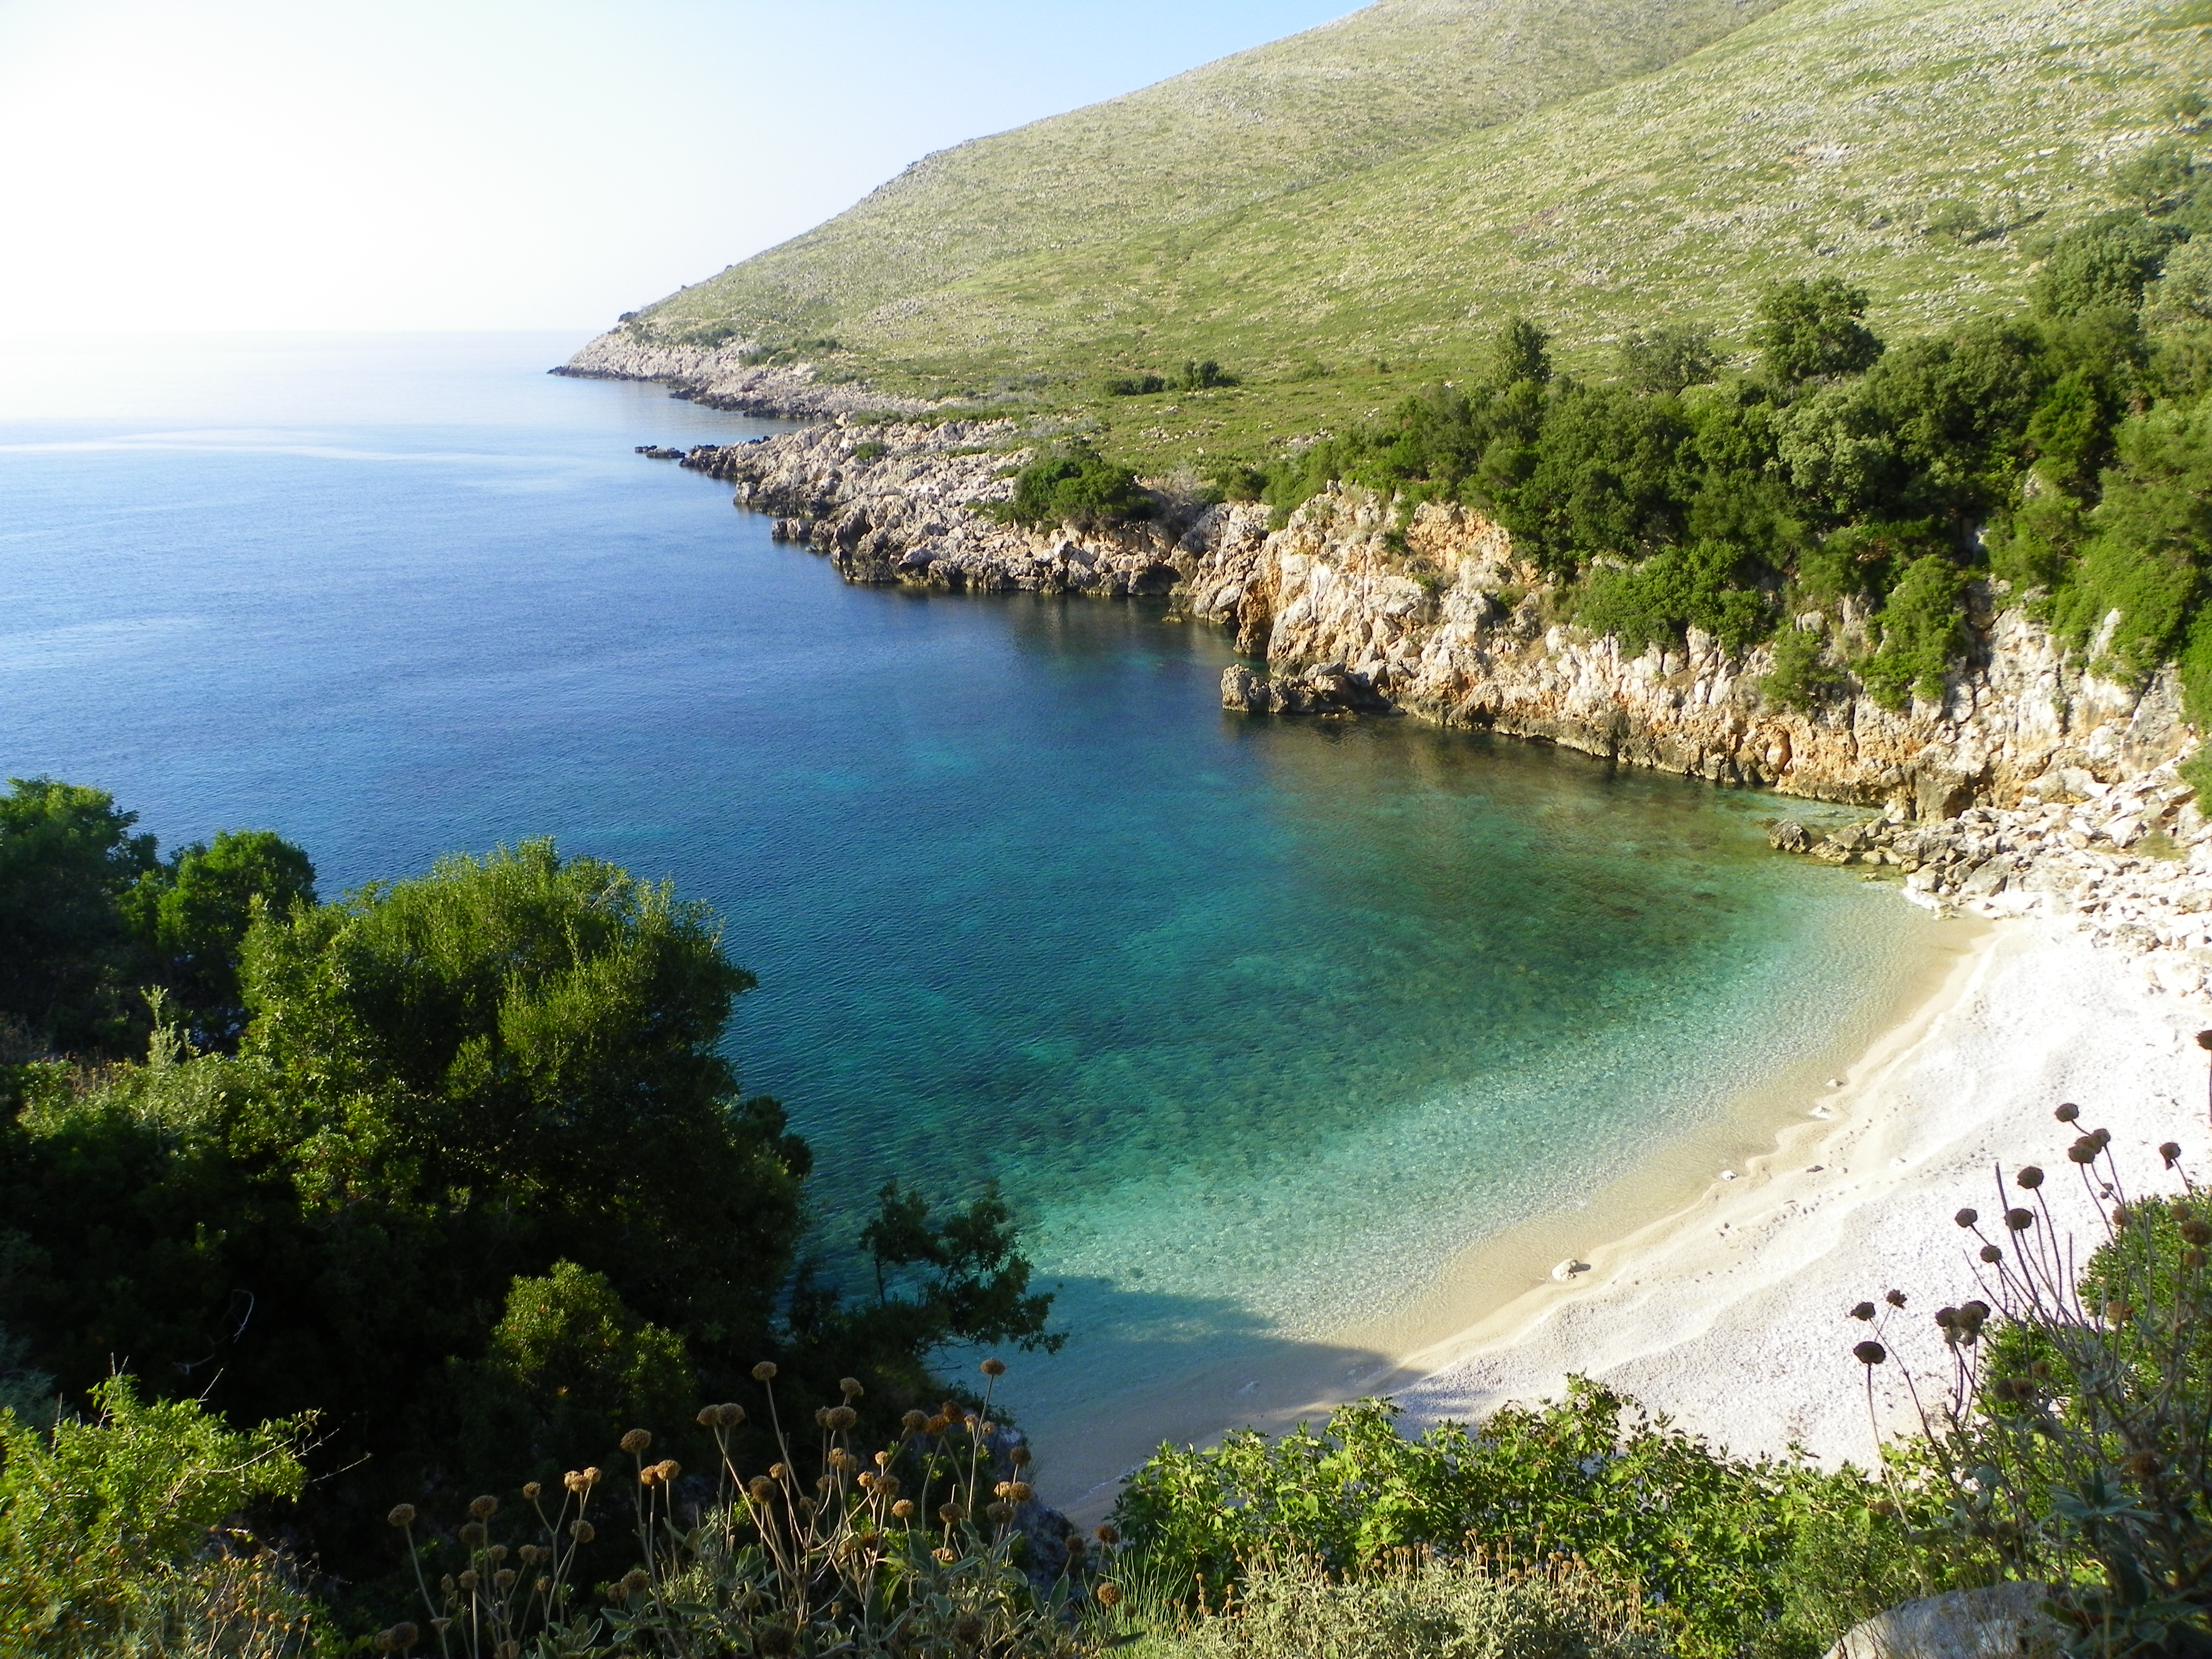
(765, 1371)
(842, 1417)
(1001, 1512)
(473, 1534)
(1019, 1492)
(760, 1489)
(541, 1584)
(937, 1426)
(1864, 1310)
(821, 1417)
(2196, 1230)
(2171, 1151)
(1978, 1311)
(777, 1472)
(668, 1468)
(887, 1484)
(995, 1368)
(636, 1441)
(2121, 1215)
(1075, 1546)
(729, 1415)
(1107, 1533)
(951, 1512)
(1967, 1216)
(1895, 1298)
(2192, 1259)
(850, 1387)
(484, 1508)
(2083, 1151)
(1947, 1317)
(497, 1553)
(2020, 1220)
(2030, 1177)
(2119, 1313)
(708, 1416)
(405, 1636)
(530, 1491)
(903, 1509)
(582, 1531)
(636, 1580)
(446, 1585)
(2142, 1465)
(592, 1476)
(468, 1579)
(1870, 1353)
(944, 1556)
(1107, 1593)
(647, 1475)
(1020, 1456)
(1991, 1255)
(914, 1422)
(503, 1580)
(403, 1515)
(2067, 1113)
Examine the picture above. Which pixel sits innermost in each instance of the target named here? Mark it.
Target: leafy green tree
(2144, 557)
(1800, 679)
(1668, 358)
(192, 913)
(1521, 352)
(67, 856)
(2158, 179)
(2102, 266)
(1609, 476)
(1712, 586)
(952, 1278)
(1810, 330)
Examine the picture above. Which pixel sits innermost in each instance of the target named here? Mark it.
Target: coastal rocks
(1328, 689)
(718, 377)
(2130, 864)
(910, 505)
(1436, 610)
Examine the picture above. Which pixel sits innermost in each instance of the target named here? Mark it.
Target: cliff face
(1445, 621)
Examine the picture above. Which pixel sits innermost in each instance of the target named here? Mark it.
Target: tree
(1670, 357)
(2100, 267)
(67, 856)
(190, 915)
(1521, 352)
(1814, 329)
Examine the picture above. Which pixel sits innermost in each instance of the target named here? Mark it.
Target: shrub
(1668, 358)
(1711, 1540)
(1706, 584)
(1809, 329)
(109, 1537)
(915, 1550)
(1078, 486)
(1922, 633)
(2071, 1419)
(1419, 1606)
(2101, 266)
(1199, 376)
(1135, 385)
(1801, 678)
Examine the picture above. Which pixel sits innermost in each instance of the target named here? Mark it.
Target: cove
(1256, 1023)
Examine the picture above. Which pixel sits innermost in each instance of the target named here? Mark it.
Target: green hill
(1330, 258)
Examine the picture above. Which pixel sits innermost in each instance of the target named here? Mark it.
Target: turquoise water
(1248, 1018)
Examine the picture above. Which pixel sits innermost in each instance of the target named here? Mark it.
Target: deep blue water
(1246, 1016)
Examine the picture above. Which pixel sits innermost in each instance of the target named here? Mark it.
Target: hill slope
(1380, 84)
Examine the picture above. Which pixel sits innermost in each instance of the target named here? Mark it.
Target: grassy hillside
(1378, 84)
(1922, 148)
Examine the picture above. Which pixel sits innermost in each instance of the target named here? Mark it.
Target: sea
(1258, 1024)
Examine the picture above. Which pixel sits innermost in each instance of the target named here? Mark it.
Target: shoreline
(1831, 1209)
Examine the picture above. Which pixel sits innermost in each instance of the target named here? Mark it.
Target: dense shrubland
(1850, 489)
(456, 1168)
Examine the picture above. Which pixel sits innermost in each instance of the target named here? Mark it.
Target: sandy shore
(1730, 1316)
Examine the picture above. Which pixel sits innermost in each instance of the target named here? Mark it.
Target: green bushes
(108, 1540)
(1719, 1547)
(1076, 485)
(1922, 635)
(1418, 1606)
(1814, 329)
(1707, 585)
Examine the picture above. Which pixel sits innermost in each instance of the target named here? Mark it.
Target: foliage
(1813, 330)
(916, 1550)
(106, 1527)
(67, 857)
(1800, 679)
(1077, 485)
(2070, 1422)
(1711, 586)
(1416, 1606)
(192, 916)
(1713, 1541)
(1668, 358)
(1922, 635)
(481, 1128)
(2148, 539)
(964, 1280)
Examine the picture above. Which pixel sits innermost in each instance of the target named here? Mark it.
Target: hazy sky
(477, 164)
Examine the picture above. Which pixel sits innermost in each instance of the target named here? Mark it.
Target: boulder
(2004, 1621)
(1790, 836)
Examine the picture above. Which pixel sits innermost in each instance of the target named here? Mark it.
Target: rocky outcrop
(720, 378)
(1356, 607)
(908, 504)
(2003, 1621)
(1439, 615)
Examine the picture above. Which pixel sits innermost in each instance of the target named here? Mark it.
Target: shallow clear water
(1246, 1016)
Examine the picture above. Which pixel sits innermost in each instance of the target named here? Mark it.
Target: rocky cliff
(1356, 609)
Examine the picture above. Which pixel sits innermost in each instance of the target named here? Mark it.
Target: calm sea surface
(1248, 1019)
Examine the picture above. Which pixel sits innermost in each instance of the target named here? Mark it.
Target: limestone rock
(2004, 1621)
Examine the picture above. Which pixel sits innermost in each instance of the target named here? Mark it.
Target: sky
(476, 164)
